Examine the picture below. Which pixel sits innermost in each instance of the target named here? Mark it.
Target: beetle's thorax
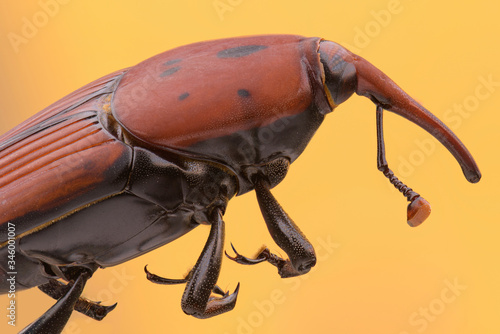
(240, 102)
(178, 184)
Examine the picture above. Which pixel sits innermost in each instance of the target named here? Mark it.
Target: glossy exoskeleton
(142, 156)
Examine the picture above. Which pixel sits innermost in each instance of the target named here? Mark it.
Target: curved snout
(374, 84)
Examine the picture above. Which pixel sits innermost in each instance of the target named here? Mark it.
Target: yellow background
(381, 276)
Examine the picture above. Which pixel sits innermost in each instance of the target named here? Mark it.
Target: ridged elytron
(142, 156)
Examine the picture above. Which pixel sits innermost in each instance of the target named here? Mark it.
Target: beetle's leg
(168, 281)
(197, 300)
(285, 267)
(94, 310)
(54, 320)
(201, 280)
(262, 256)
(161, 280)
(418, 209)
(285, 233)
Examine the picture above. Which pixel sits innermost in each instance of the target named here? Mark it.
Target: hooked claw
(245, 260)
(215, 305)
(161, 280)
(92, 309)
(285, 267)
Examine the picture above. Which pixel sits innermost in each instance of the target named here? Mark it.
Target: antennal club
(418, 209)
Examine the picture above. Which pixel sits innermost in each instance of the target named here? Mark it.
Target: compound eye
(340, 73)
(276, 170)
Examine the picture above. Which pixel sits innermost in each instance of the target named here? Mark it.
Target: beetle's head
(346, 73)
(340, 74)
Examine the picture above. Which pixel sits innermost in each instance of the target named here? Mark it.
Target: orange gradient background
(376, 275)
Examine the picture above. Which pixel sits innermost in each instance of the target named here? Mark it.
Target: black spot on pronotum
(183, 96)
(170, 71)
(240, 51)
(171, 62)
(243, 93)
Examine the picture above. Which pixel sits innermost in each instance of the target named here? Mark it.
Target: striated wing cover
(60, 159)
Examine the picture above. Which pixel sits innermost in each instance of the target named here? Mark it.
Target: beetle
(142, 156)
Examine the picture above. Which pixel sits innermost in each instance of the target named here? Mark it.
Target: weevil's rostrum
(146, 154)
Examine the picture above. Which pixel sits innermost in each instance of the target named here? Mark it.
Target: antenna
(418, 209)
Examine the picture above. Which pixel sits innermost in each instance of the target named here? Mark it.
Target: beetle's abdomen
(51, 174)
(213, 89)
(60, 160)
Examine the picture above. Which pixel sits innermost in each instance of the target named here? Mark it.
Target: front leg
(285, 267)
(201, 281)
(285, 233)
